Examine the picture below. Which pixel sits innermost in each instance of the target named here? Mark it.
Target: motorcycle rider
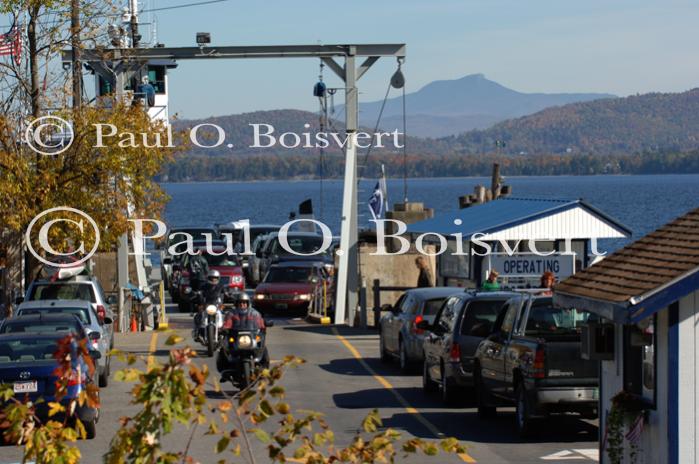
(210, 294)
(198, 270)
(245, 317)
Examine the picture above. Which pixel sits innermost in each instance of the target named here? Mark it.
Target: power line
(150, 10)
(184, 5)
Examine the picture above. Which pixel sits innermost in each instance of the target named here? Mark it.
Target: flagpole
(384, 186)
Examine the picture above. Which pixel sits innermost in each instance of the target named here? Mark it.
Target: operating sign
(531, 264)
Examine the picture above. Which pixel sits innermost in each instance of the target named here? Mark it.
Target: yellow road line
(403, 402)
(151, 349)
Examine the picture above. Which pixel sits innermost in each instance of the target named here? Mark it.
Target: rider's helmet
(243, 301)
(214, 274)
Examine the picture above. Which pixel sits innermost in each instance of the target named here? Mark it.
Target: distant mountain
(643, 123)
(450, 107)
(655, 122)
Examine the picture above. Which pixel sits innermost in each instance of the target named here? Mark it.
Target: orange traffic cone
(134, 324)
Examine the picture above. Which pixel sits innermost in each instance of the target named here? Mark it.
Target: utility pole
(347, 282)
(75, 46)
(135, 36)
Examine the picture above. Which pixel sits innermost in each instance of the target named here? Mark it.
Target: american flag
(634, 433)
(11, 44)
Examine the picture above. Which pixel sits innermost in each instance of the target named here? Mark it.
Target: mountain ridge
(452, 106)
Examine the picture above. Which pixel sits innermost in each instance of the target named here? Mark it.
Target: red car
(292, 286)
(228, 265)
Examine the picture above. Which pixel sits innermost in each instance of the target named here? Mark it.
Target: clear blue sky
(621, 46)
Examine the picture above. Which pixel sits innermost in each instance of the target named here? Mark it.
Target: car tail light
(417, 320)
(76, 378)
(455, 353)
(101, 313)
(538, 367)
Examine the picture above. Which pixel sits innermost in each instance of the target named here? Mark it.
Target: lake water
(642, 203)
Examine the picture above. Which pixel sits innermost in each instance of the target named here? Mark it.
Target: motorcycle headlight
(187, 290)
(211, 310)
(303, 297)
(259, 296)
(245, 341)
(237, 279)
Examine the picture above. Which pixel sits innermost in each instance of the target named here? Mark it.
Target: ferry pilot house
(520, 239)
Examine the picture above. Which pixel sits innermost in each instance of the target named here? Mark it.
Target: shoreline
(340, 180)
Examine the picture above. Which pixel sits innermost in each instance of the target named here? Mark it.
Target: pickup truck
(532, 360)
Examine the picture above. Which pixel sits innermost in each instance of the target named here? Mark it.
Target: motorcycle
(241, 355)
(210, 315)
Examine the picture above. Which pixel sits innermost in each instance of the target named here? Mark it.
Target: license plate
(25, 387)
(280, 306)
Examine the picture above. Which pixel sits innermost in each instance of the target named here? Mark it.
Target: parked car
(175, 236)
(27, 363)
(96, 328)
(532, 361)
(399, 336)
(227, 265)
(83, 288)
(44, 323)
(291, 286)
(302, 243)
(452, 337)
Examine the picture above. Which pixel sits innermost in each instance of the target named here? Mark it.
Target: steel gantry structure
(117, 66)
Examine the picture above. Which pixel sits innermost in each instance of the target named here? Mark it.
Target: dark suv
(462, 322)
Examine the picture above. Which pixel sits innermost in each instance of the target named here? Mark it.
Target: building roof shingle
(643, 267)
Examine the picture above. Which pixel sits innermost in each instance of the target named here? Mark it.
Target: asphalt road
(344, 379)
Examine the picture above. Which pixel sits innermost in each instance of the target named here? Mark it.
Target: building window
(156, 76)
(640, 360)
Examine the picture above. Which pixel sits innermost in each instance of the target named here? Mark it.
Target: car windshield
(432, 306)
(545, 319)
(254, 233)
(62, 291)
(223, 260)
(292, 275)
(39, 326)
(480, 316)
(303, 245)
(82, 313)
(27, 349)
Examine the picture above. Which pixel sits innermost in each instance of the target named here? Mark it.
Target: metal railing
(318, 306)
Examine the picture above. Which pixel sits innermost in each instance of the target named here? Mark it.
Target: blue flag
(376, 202)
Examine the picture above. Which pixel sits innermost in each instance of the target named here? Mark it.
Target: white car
(83, 288)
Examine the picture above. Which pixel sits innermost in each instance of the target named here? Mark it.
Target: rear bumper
(584, 400)
(280, 305)
(459, 374)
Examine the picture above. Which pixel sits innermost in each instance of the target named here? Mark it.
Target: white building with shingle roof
(647, 298)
